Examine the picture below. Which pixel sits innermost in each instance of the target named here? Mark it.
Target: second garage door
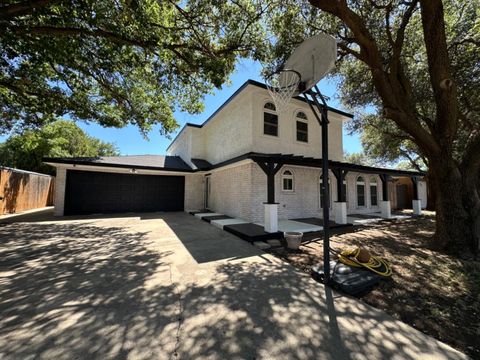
(89, 192)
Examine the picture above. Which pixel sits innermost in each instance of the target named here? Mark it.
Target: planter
(293, 239)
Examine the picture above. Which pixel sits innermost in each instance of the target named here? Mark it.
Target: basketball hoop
(282, 85)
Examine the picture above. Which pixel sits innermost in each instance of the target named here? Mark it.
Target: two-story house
(247, 160)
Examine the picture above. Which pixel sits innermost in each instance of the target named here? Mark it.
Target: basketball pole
(323, 120)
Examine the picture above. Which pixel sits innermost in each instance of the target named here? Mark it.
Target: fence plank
(23, 190)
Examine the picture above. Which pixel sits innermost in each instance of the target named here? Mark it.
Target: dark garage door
(88, 192)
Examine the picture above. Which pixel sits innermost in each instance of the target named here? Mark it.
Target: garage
(89, 192)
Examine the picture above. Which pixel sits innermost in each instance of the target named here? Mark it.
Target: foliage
(359, 159)
(118, 62)
(415, 65)
(385, 143)
(61, 138)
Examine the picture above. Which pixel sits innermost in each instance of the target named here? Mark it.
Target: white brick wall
(286, 142)
(194, 190)
(237, 128)
(303, 201)
(352, 204)
(59, 201)
(231, 191)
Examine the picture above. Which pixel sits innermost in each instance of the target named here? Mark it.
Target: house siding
(231, 191)
(286, 142)
(304, 201)
(194, 192)
(60, 181)
(228, 134)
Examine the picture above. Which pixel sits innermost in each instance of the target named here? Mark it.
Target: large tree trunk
(457, 217)
(431, 191)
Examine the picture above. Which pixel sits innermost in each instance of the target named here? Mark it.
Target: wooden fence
(23, 190)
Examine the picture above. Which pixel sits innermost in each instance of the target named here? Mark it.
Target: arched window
(373, 192)
(287, 180)
(321, 191)
(302, 126)
(360, 191)
(270, 119)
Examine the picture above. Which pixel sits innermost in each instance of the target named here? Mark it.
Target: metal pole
(326, 193)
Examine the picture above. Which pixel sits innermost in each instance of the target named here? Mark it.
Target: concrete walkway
(170, 286)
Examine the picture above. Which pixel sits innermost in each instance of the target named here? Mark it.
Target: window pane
(287, 184)
(302, 131)
(361, 195)
(303, 137)
(302, 126)
(270, 106)
(270, 118)
(373, 195)
(301, 115)
(270, 124)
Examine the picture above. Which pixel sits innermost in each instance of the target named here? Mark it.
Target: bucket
(293, 239)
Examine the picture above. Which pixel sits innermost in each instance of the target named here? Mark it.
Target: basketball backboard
(313, 59)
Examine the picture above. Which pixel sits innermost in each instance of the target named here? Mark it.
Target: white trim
(370, 184)
(364, 191)
(229, 166)
(118, 170)
(292, 177)
(305, 121)
(272, 112)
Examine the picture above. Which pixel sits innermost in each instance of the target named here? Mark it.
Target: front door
(207, 192)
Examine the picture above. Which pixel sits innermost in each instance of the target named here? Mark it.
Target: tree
(416, 63)
(117, 62)
(359, 159)
(62, 138)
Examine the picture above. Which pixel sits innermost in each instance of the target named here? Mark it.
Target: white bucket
(293, 238)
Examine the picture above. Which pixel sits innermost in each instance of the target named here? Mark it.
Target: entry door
(207, 192)
(402, 197)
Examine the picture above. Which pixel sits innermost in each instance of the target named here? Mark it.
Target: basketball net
(281, 87)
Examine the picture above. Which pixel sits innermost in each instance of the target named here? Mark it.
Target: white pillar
(386, 209)
(340, 211)
(59, 199)
(417, 207)
(271, 218)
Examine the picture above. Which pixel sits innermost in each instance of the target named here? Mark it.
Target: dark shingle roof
(154, 162)
(201, 164)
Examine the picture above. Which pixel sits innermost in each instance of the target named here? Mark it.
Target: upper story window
(287, 180)
(360, 191)
(373, 192)
(270, 119)
(302, 127)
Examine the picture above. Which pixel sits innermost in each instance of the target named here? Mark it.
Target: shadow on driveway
(167, 287)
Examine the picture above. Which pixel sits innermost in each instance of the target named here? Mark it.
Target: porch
(347, 204)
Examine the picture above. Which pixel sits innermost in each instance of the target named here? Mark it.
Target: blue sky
(131, 142)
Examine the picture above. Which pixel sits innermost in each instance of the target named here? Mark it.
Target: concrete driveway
(170, 286)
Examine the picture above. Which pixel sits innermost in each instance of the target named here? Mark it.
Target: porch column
(340, 206)
(385, 206)
(271, 207)
(416, 202)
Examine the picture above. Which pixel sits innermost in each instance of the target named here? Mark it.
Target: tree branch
(24, 8)
(394, 105)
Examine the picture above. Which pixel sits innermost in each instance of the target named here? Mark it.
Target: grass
(436, 293)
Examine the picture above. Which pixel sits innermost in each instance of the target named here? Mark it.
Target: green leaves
(119, 62)
(61, 138)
